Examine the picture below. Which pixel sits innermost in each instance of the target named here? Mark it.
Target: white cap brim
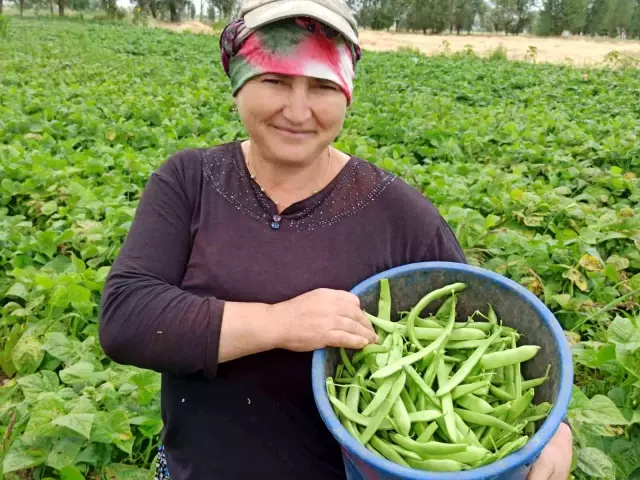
(273, 12)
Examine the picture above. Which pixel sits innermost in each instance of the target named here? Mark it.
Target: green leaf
(58, 345)
(35, 384)
(113, 427)
(71, 473)
(49, 208)
(18, 290)
(26, 452)
(600, 410)
(119, 471)
(79, 297)
(82, 373)
(27, 354)
(95, 454)
(148, 384)
(595, 463)
(623, 332)
(42, 415)
(63, 452)
(626, 455)
(78, 422)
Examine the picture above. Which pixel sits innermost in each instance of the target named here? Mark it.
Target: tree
(618, 17)
(463, 16)
(575, 15)
(634, 28)
(596, 11)
(419, 16)
(551, 18)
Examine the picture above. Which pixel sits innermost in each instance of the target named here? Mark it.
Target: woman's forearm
(247, 328)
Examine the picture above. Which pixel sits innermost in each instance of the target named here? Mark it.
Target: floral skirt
(162, 472)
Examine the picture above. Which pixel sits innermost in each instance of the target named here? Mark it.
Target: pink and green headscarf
(298, 46)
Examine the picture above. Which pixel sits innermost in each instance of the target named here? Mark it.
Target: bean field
(534, 166)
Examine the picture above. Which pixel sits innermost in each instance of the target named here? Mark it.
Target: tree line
(613, 18)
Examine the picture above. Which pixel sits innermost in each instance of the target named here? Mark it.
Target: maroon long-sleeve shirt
(204, 234)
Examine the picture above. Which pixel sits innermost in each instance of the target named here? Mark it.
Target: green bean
(482, 419)
(427, 448)
(401, 416)
(471, 344)
(415, 357)
(331, 388)
(477, 404)
(509, 380)
(520, 405)
(449, 359)
(432, 371)
(404, 452)
(449, 418)
(353, 395)
(388, 452)
(429, 323)
(363, 390)
(501, 414)
(426, 300)
(426, 333)
(466, 367)
(511, 447)
(536, 417)
(501, 394)
(421, 384)
(517, 385)
(522, 354)
(471, 455)
(425, 416)
(530, 428)
(384, 300)
(368, 350)
(346, 361)
(373, 450)
(479, 431)
(427, 435)
(491, 316)
(434, 465)
(479, 378)
(381, 394)
(343, 381)
(535, 382)
(385, 408)
(356, 417)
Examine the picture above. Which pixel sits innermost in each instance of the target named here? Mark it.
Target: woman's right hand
(321, 318)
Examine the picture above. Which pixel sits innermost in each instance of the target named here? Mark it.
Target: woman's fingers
(340, 338)
(352, 310)
(349, 325)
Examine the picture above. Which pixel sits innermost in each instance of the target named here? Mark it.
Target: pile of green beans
(436, 393)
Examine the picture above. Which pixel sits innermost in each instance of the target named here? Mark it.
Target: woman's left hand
(555, 461)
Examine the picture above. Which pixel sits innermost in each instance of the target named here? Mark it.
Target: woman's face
(291, 118)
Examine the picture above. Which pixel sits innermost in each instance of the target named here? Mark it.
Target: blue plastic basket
(515, 307)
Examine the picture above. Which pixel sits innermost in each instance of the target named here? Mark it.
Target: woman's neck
(287, 184)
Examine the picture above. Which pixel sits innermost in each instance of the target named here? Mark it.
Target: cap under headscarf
(294, 46)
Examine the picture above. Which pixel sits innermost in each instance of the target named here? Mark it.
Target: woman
(240, 257)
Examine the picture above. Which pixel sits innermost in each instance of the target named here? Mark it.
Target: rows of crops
(535, 167)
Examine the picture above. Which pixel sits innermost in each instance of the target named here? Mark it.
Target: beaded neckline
(357, 185)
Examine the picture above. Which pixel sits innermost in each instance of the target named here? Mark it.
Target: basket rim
(526, 455)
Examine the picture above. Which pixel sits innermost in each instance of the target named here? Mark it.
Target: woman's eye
(273, 81)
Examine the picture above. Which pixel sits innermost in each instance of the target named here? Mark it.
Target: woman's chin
(296, 152)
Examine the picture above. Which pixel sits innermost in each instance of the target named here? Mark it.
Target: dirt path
(580, 51)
